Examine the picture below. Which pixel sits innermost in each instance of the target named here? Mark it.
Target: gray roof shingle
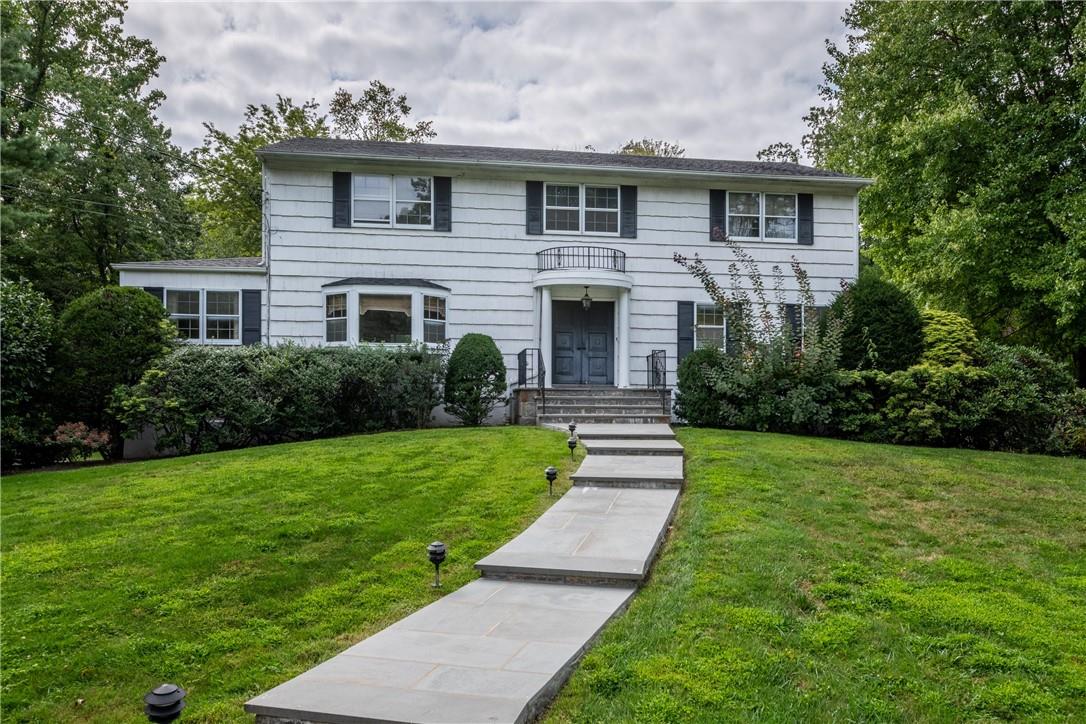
(539, 157)
(234, 262)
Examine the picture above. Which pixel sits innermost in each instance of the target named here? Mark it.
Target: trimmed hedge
(883, 330)
(949, 338)
(475, 382)
(202, 399)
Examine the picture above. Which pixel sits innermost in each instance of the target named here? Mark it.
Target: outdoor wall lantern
(437, 557)
(572, 443)
(586, 301)
(164, 703)
(552, 474)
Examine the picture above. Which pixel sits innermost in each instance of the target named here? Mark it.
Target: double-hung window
(183, 306)
(754, 216)
(397, 201)
(709, 326)
(581, 209)
(433, 320)
(211, 316)
(335, 318)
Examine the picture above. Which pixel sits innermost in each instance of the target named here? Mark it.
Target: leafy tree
(378, 114)
(969, 117)
(780, 151)
(108, 337)
(27, 335)
(475, 380)
(95, 178)
(651, 147)
(227, 190)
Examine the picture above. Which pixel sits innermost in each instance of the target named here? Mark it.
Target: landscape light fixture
(586, 301)
(572, 443)
(552, 474)
(436, 550)
(572, 427)
(164, 703)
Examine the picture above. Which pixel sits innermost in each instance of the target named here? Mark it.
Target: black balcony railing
(581, 257)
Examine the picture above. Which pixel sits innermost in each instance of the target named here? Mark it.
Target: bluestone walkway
(498, 649)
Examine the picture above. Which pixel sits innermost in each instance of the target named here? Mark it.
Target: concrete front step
(607, 446)
(592, 536)
(605, 391)
(630, 471)
(492, 651)
(605, 418)
(622, 431)
(580, 410)
(603, 401)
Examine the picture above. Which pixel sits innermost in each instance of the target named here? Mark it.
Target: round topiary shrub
(949, 338)
(696, 401)
(475, 380)
(108, 337)
(883, 330)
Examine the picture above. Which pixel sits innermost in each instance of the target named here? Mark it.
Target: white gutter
(138, 266)
(852, 181)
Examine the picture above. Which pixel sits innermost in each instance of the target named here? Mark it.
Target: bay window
(433, 320)
(384, 318)
(335, 318)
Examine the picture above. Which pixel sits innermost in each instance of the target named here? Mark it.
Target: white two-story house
(563, 258)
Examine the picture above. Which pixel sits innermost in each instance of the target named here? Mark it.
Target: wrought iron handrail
(581, 257)
(656, 365)
(530, 369)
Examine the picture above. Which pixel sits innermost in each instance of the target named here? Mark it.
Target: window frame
(761, 216)
(203, 315)
(444, 321)
(410, 315)
(723, 326)
(392, 201)
(582, 201)
(346, 317)
(206, 316)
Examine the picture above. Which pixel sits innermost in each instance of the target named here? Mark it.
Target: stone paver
(491, 651)
(499, 648)
(606, 446)
(603, 534)
(630, 470)
(621, 431)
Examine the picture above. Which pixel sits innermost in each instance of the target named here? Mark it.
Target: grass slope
(229, 573)
(821, 580)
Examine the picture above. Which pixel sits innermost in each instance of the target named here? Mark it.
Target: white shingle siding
(489, 262)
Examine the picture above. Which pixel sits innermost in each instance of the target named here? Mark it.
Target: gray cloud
(724, 80)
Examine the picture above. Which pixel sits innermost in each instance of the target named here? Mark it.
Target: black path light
(572, 427)
(437, 557)
(164, 703)
(552, 474)
(572, 443)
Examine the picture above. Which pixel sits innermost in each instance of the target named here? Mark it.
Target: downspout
(265, 227)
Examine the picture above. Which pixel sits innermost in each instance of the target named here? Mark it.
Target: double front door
(584, 343)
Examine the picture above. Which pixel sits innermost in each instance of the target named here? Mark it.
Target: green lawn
(820, 580)
(229, 573)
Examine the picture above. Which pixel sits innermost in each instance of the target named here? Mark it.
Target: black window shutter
(792, 316)
(533, 205)
(250, 316)
(341, 199)
(805, 230)
(628, 222)
(718, 201)
(155, 292)
(731, 333)
(686, 330)
(442, 203)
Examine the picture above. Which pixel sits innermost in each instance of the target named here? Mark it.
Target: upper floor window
(753, 216)
(210, 316)
(399, 201)
(581, 209)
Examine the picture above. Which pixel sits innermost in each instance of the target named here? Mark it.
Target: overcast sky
(724, 80)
